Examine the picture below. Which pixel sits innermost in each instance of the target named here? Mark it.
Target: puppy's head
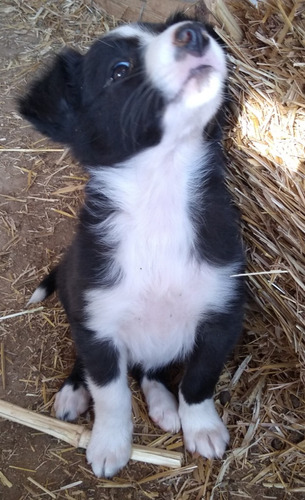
(135, 86)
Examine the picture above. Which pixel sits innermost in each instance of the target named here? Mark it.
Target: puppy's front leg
(110, 445)
(203, 430)
(109, 448)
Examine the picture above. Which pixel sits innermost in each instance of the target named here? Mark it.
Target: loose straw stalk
(79, 437)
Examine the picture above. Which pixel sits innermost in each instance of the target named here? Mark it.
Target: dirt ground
(41, 191)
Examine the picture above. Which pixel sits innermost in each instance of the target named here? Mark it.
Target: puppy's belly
(161, 329)
(155, 320)
(153, 328)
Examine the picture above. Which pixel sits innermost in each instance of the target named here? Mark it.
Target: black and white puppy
(148, 279)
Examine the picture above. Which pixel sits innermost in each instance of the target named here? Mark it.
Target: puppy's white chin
(203, 89)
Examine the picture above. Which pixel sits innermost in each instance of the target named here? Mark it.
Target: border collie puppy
(148, 279)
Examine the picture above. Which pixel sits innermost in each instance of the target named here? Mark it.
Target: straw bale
(265, 146)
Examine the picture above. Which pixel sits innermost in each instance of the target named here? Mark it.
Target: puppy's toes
(109, 450)
(162, 405)
(209, 444)
(70, 402)
(203, 430)
(166, 418)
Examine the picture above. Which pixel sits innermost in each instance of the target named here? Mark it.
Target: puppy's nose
(191, 38)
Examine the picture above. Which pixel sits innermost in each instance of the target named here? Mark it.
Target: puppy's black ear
(53, 100)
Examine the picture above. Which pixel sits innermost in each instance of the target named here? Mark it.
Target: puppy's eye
(120, 70)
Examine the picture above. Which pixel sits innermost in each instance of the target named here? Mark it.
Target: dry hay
(260, 393)
(267, 155)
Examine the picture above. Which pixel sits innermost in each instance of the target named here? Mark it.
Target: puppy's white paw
(109, 449)
(70, 403)
(166, 418)
(203, 430)
(208, 443)
(162, 405)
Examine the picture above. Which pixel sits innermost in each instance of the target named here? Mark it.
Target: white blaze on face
(195, 80)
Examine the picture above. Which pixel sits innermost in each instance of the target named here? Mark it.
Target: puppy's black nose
(191, 38)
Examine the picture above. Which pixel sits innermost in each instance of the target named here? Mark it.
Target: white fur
(70, 403)
(38, 296)
(162, 405)
(164, 291)
(133, 31)
(109, 448)
(203, 430)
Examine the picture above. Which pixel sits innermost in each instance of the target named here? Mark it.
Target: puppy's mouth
(199, 77)
(201, 69)
(200, 73)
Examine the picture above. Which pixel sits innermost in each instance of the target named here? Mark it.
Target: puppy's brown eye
(120, 70)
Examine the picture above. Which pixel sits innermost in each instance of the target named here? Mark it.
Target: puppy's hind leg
(162, 404)
(73, 398)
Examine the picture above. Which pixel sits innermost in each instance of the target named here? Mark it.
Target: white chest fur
(164, 292)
